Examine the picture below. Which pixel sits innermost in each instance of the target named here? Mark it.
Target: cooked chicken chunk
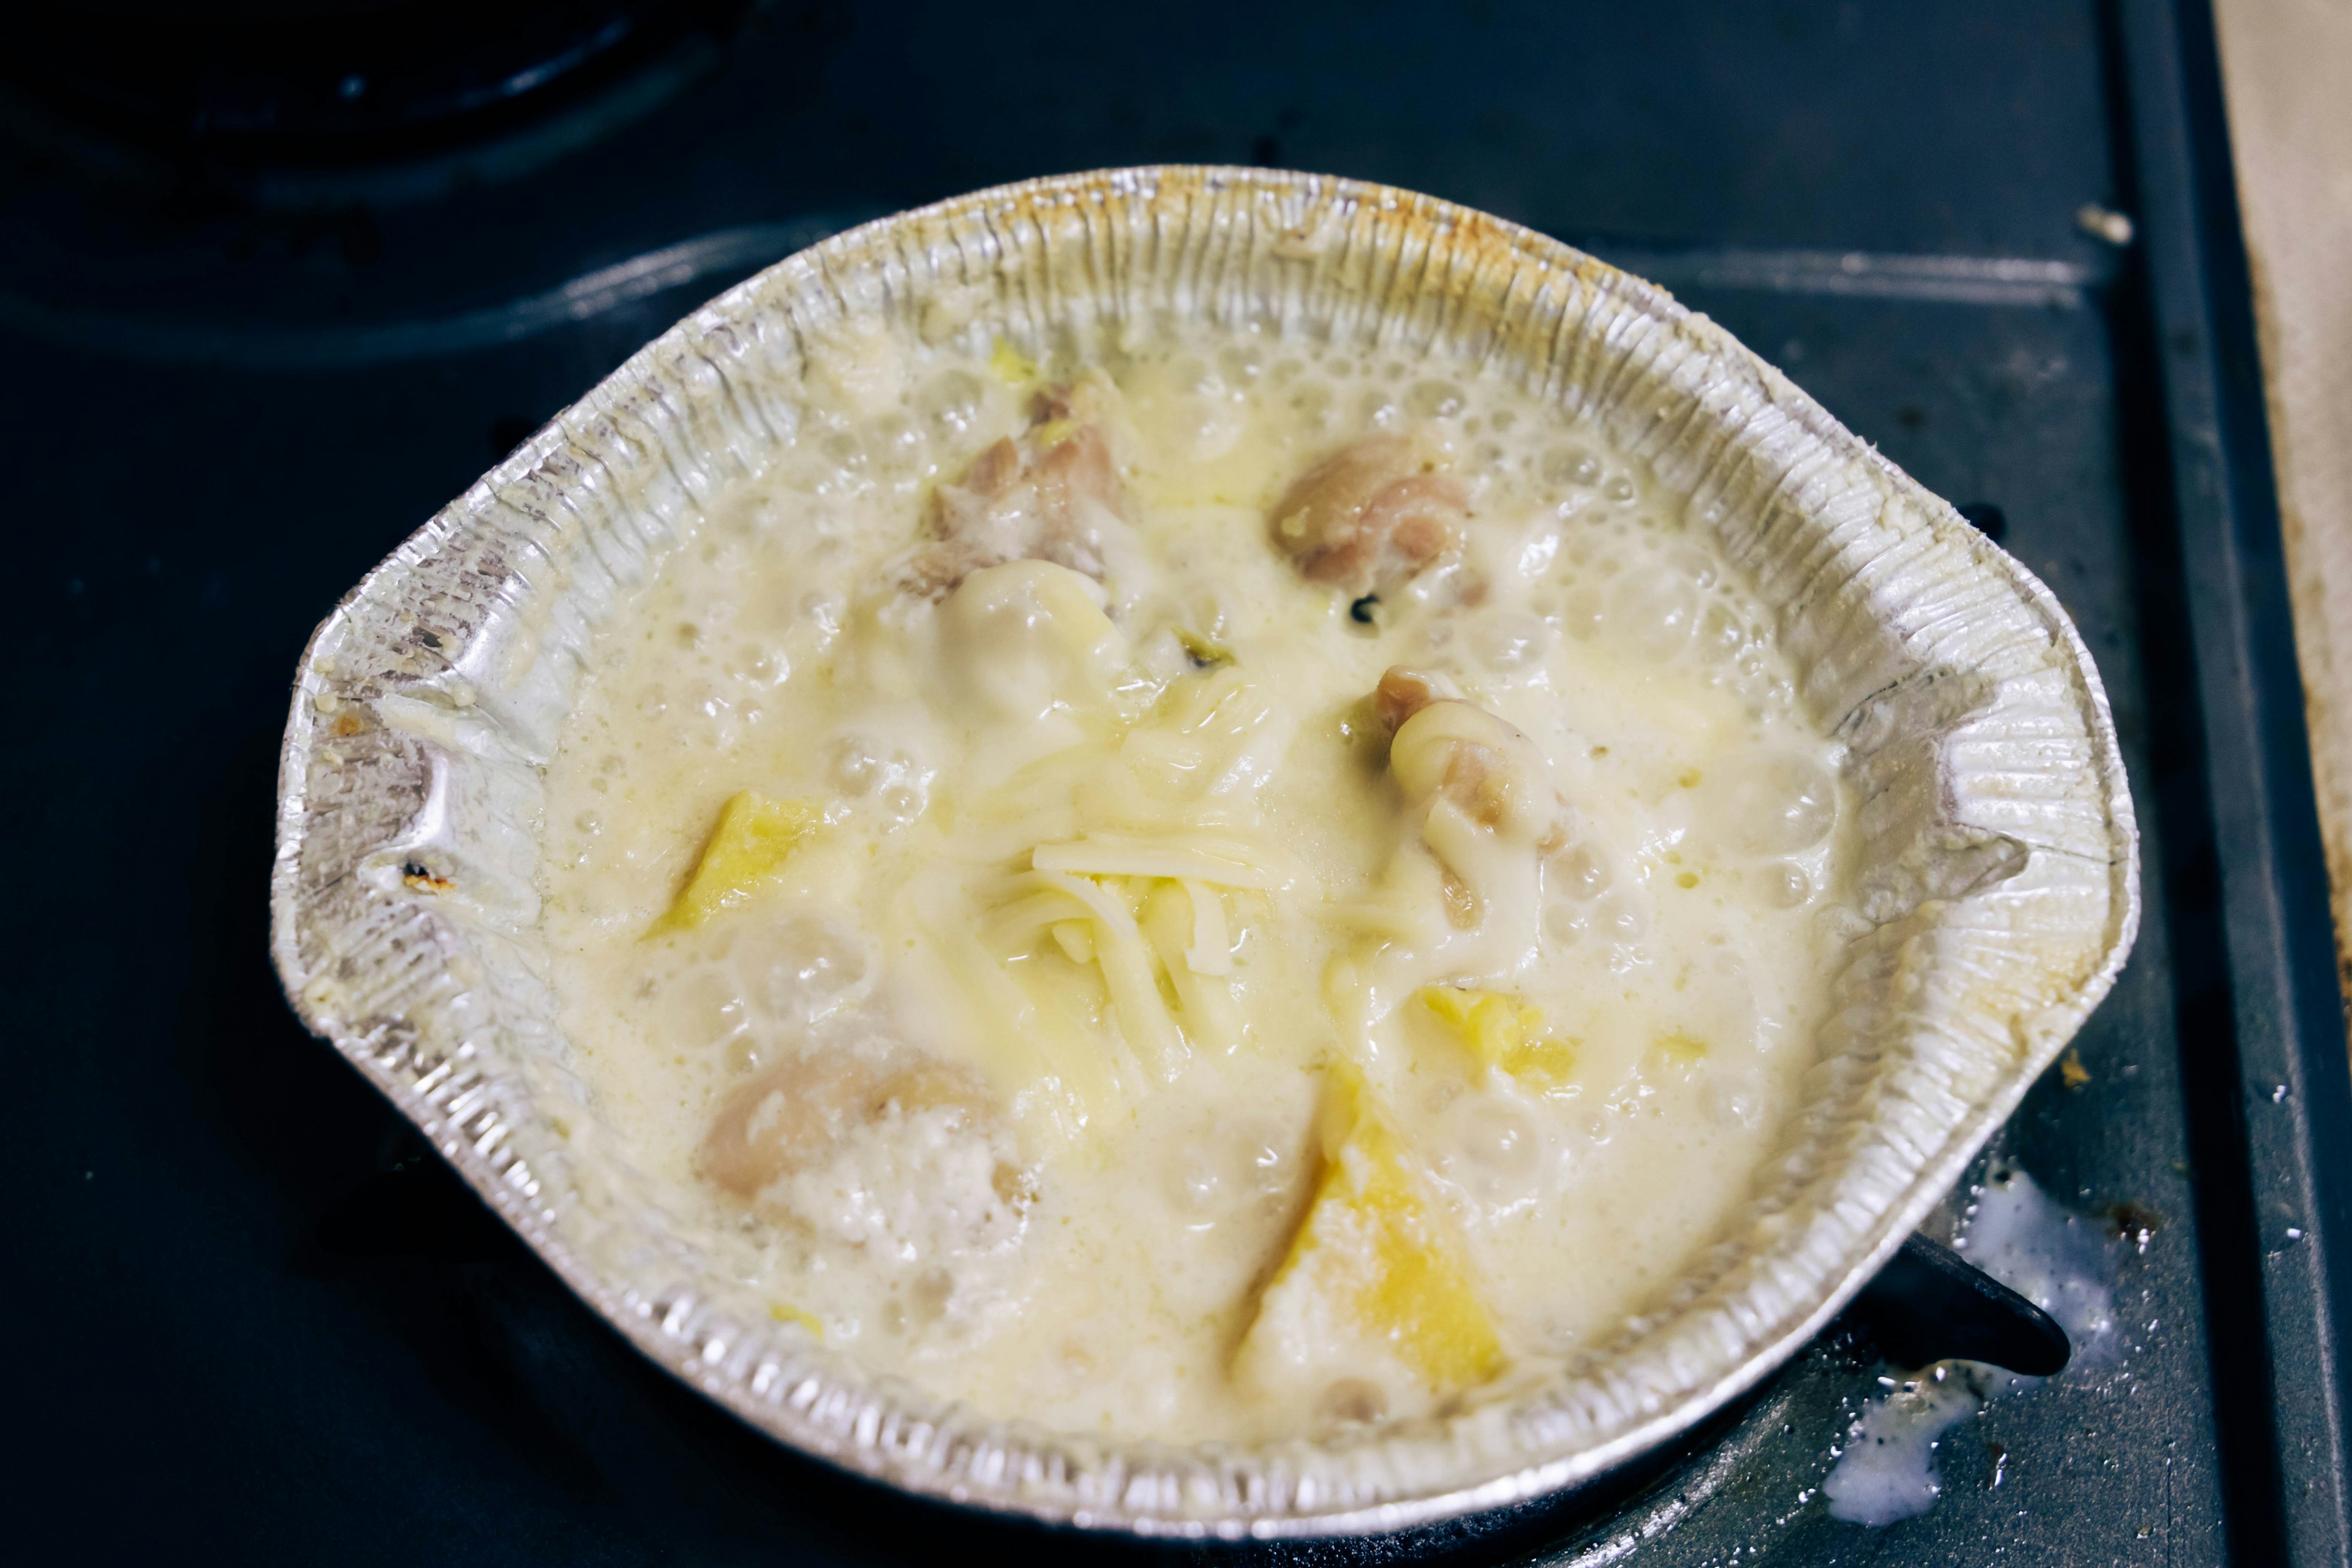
(874, 1144)
(1045, 495)
(1369, 516)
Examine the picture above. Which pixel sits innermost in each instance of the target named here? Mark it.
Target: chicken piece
(1045, 495)
(1373, 1299)
(789, 1116)
(1369, 516)
(874, 1145)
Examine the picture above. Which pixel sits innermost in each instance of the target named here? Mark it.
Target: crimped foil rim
(455, 1057)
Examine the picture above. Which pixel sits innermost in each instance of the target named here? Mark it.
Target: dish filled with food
(1207, 851)
(1292, 869)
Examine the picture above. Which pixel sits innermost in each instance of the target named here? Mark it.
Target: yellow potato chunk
(785, 1312)
(1504, 1033)
(754, 837)
(1680, 1045)
(1011, 365)
(1374, 1274)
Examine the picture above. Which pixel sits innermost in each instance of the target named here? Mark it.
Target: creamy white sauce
(1110, 872)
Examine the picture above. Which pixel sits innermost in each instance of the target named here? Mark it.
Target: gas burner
(239, 89)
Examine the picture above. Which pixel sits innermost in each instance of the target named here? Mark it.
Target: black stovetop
(257, 1318)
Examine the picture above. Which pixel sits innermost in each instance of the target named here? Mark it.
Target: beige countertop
(2288, 71)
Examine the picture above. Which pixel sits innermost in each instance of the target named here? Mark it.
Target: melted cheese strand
(1127, 968)
(1170, 921)
(1199, 857)
(1056, 1085)
(1211, 952)
(1014, 927)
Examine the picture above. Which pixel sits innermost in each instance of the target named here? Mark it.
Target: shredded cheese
(1199, 857)
(1127, 967)
(1211, 952)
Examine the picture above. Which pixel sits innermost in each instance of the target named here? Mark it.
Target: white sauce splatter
(2059, 1261)
(1887, 1470)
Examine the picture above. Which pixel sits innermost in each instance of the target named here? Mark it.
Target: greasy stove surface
(255, 1313)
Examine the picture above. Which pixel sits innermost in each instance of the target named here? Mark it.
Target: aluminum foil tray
(1998, 893)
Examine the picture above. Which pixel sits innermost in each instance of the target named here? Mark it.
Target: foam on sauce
(1218, 889)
